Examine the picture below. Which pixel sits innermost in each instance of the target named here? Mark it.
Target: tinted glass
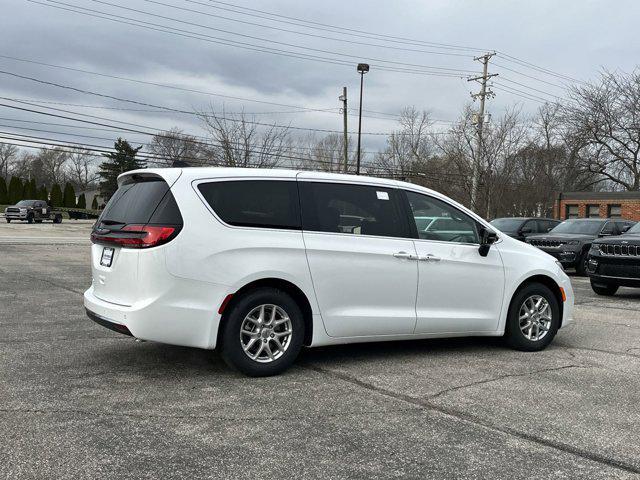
(141, 202)
(531, 226)
(608, 229)
(450, 224)
(585, 227)
(354, 209)
(25, 203)
(507, 224)
(254, 203)
(635, 229)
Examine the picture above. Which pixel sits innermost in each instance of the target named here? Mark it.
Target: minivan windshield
(507, 224)
(580, 227)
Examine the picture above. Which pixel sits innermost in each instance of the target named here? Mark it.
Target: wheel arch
(272, 282)
(548, 282)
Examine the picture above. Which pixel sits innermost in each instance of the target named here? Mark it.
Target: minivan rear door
(141, 200)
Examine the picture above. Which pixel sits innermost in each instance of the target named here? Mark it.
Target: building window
(615, 211)
(572, 211)
(593, 211)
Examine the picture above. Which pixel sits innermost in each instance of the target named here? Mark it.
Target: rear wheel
(262, 333)
(606, 289)
(57, 219)
(8, 220)
(533, 318)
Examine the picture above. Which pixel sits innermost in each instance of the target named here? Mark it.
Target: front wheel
(263, 332)
(29, 218)
(533, 318)
(8, 220)
(605, 289)
(581, 266)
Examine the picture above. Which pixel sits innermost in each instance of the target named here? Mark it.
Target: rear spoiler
(169, 175)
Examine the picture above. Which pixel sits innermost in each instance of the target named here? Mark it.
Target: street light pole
(362, 69)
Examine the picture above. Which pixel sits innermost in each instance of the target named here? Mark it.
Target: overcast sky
(572, 39)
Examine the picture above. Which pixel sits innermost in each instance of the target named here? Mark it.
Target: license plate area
(107, 256)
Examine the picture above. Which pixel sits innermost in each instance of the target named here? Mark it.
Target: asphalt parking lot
(80, 401)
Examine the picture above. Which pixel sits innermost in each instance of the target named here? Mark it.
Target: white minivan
(259, 263)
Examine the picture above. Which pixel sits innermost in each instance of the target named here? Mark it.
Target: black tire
(39, 221)
(605, 289)
(30, 218)
(581, 266)
(231, 348)
(57, 219)
(8, 220)
(514, 336)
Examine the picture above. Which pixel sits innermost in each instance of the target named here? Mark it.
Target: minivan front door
(459, 291)
(364, 272)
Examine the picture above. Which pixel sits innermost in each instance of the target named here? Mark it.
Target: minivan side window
(254, 203)
(446, 223)
(352, 209)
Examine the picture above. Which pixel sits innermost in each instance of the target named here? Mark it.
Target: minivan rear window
(254, 203)
(142, 201)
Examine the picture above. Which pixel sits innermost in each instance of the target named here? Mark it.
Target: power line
(136, 102)
(307, 34)
(244, 45)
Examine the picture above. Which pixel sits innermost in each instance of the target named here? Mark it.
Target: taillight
(136, 236)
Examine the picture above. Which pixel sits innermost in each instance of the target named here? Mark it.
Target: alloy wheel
(265, 333)
(535, 318)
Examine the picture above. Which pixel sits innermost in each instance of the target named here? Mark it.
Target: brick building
(598, 205)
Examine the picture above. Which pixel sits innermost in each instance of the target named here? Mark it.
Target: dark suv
(32, 211)
(570, 241)
(615, 262)
(522, 227)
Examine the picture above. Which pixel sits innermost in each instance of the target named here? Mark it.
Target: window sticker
(382, 195)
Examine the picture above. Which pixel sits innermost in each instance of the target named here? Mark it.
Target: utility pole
(343, 99)
(479, 121)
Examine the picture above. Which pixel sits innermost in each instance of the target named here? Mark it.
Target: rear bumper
(106, 323)
(186, 314)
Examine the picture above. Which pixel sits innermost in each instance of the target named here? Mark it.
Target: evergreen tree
(28, 190)
(94, 204)
(69, 200)
(4, 194)
(15, 190)
(56, 195)
(43, 194)
(82, 201)
(120, 161)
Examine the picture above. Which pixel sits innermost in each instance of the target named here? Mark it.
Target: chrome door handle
(429, 258)
(406, 255)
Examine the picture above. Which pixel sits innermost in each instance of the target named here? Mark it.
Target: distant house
(598, 205)
(89, 195)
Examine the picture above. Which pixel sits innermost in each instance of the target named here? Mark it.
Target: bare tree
(325, 154)
(236, 141)
(51, 164)
(8, 155)
(408, 149)
(81, 168)
(174, 148)
(604, 119)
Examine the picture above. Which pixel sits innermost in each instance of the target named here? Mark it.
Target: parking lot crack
(501, 377)
(431, 405)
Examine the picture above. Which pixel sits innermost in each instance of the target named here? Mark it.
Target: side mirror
(487, 238)
(526, 230)
(625, 228)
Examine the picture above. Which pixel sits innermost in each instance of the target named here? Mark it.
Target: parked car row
(605, 249)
